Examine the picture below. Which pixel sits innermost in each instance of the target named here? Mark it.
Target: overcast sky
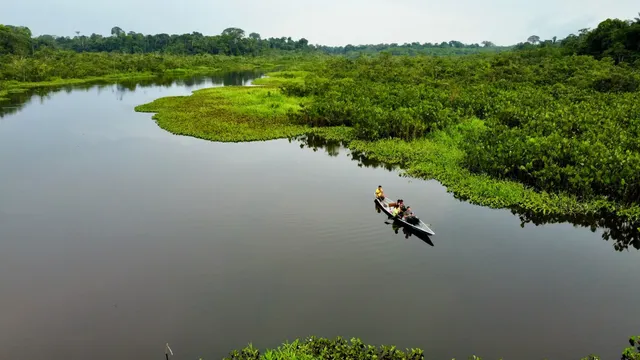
(328, 22)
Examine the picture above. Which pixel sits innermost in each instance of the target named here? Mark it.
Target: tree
(15, 40)
(488, 44)
(534, 39)
(254, 36)
(117, 31)
(302, 43)
(233, 32)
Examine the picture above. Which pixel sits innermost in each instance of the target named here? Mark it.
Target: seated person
(410, 217)
(380, 193)
(396, 204)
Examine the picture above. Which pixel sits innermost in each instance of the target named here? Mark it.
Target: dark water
(116, 237)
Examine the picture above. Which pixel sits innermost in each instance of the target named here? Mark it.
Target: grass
(277, 78)
(229, 114)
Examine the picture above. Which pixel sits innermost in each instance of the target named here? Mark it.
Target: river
(117, 237)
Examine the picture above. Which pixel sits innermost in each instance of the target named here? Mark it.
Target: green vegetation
(549, 135)
(339, 348)
(50, 68)
(555, 131)
(450, 48)
(633, 351)
(228, 114)
(547, 128)
(239, 113)
(533, 130)
(232, 41)
(321, 348)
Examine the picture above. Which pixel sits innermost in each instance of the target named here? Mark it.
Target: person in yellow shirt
(396, 212)
(380, 193)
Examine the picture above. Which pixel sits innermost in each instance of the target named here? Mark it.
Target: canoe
(420, 227)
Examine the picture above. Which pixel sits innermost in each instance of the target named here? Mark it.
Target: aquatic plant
(340, 348)
(230, 114)
(633, 351)
(323, 348)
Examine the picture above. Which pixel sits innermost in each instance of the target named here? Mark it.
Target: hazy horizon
(332, 23)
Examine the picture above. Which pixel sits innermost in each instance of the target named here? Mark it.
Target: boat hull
(384, 205)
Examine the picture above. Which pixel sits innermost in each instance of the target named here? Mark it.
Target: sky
(326, 22)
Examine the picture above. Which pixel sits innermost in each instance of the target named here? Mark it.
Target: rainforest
(547, 128)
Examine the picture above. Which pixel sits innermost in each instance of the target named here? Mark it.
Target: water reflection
(624, 234)
(18, 100)
(333, 147)
(315, 142)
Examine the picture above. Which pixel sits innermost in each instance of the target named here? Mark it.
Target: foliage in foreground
(321, 348)
(339, 348)
(633, 351)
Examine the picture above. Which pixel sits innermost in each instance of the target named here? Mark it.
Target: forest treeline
(614, 38)
(46, 57)
(18, 40)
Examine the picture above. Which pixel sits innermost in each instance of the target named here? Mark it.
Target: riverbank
(11, 87)
(339, 348)
(18, 74)
(264, 112)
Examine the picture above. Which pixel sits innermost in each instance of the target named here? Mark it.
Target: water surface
(117, 237)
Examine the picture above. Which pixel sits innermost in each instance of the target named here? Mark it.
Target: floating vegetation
(322, 348)
(339, 348)
(230, 114)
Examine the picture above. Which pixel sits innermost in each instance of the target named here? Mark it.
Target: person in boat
(395, 204)
(407, 212)
(410, 217)
(398, 211)
(380, 193)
